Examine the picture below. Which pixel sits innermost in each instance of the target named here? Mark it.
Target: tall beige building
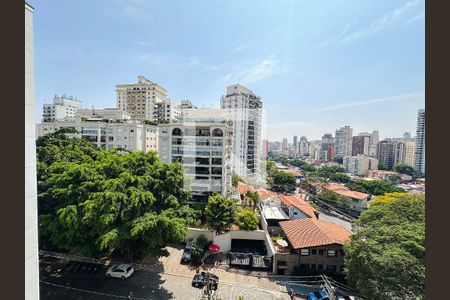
(146, 100)
(31, 222)
(409, 150)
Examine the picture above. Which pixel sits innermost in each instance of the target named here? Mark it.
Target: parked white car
(120, 271)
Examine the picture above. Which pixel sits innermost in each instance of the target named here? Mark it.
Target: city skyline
(315, 69)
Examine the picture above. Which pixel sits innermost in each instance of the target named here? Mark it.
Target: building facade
(361, 144)
(31, 207)
(327, 147)
(203, 144)
(63, 107)
(360, 165)
(420, 143)
(374, 139)
(106, 134)
(343, 141)
(146, 100)
(103, 113)
(244, 110)
(303, 147)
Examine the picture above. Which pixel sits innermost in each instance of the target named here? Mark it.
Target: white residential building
(420, 142)
(128, 134)
(244, 109)
(374, 139)
(202, 142)
(31, 207)
(303, 146)
(343, 141)
(103, 113)
(63, 107)
(360, 165)
(146, 100)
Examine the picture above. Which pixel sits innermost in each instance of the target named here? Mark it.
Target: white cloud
(382, 22)
(367, 102)
(136, 10)
(251, 72)
(417, 17)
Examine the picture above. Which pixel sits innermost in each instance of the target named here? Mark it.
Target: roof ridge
(325, 233)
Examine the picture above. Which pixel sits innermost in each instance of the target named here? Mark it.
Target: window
(331, 253)
(319, 267)
(313, 251)
(320, 251)
(304, 252)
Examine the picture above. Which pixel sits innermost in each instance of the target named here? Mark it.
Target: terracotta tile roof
(292, 172)
(264, 194)
(344, 191)
(305, 233)
(299, 203)
(244, 188)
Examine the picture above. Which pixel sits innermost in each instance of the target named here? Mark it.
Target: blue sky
(318, 65)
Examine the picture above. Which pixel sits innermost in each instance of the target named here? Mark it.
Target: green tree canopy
(374, 187)
(340, 177)
(199, 246)
(246, 220)
(385, 258)
(339, 159)
(220, 212)
(405, 169)
(339, 201)
(93, 202)
(235, 180)
(284, 182)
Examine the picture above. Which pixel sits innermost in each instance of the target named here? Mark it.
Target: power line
(90, 292)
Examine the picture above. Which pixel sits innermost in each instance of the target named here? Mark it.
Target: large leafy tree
(374, 187)
(284, 182)
(405, 169)
(385, 257)
(220, 212)
(93, 202)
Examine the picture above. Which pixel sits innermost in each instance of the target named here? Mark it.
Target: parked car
(200, 280)
(120, 271)
(187, 253)
(318, 295)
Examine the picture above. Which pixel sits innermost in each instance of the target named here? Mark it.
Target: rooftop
(264, 194)
(274, 213)
(292, 172)
(244, 188)
(344, 191)
(305, 233)
(299, 203)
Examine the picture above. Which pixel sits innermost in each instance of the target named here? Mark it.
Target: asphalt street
(58, 282)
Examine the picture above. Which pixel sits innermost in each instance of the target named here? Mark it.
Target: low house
(359, 200)
(297, 208)
(298, 176)
(384, 175)
(314, 247)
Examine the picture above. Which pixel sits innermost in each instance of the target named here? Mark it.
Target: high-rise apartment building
(409, 150)
(343, 141)
(327, 147)
(146, 100)
(387, 153)
(374, 139)
(31, 207)
(284, 145)
(420, 143)
(63, 107)
(295, 141)
(202, 142)
(360, 165)
(361, 144)
(244, 109)
(303, 147)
